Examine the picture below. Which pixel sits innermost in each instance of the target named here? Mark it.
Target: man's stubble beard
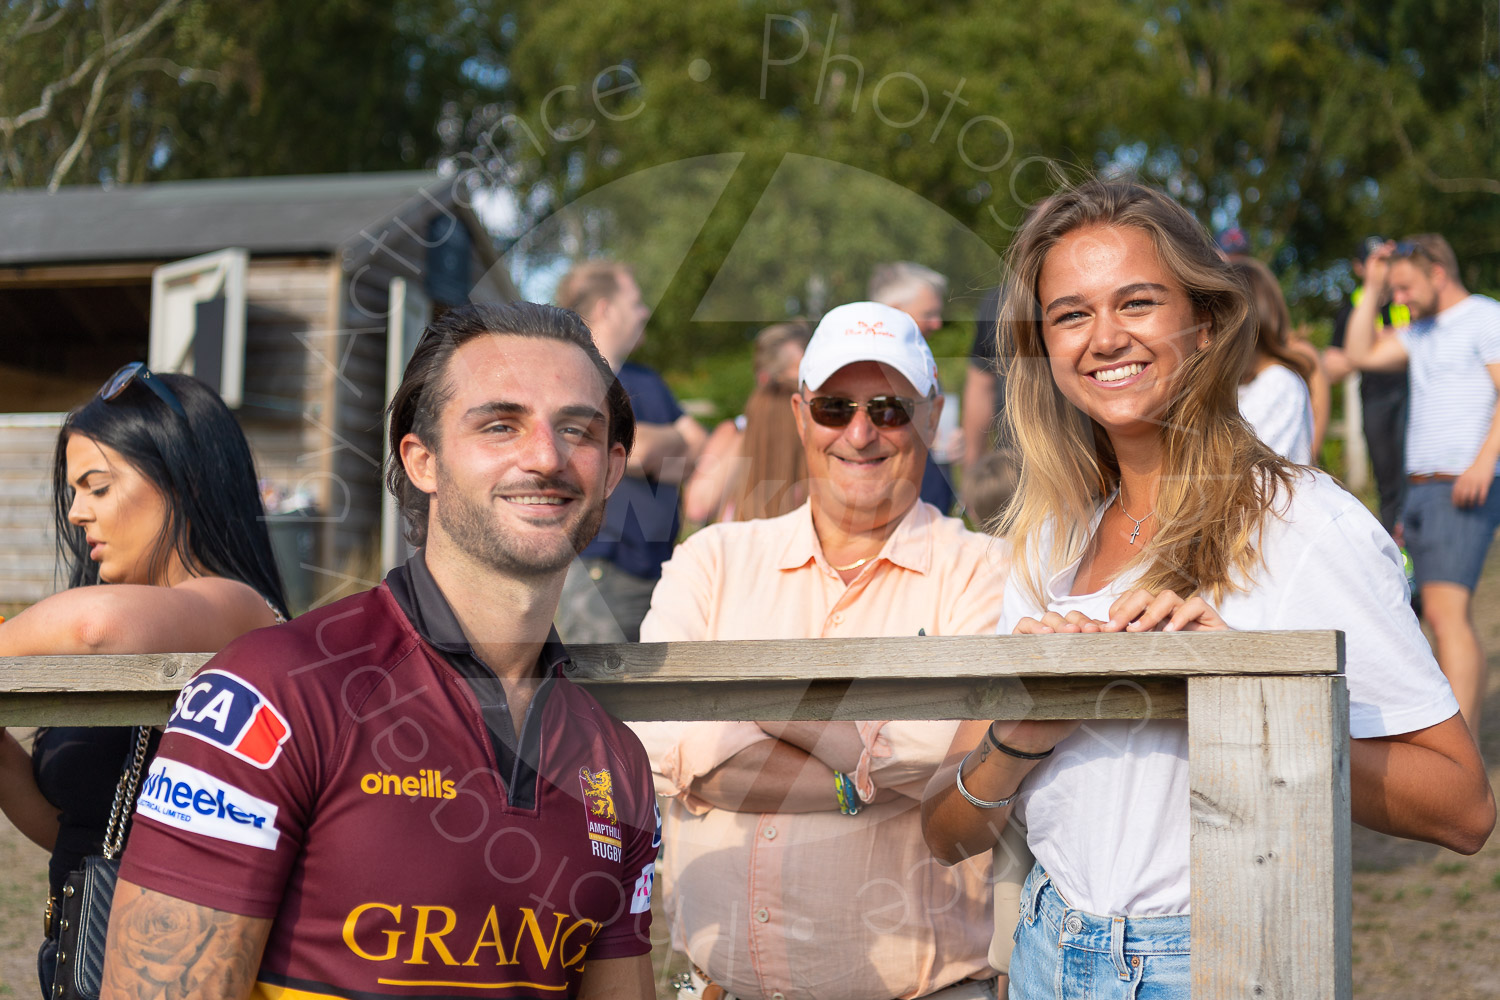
(472, 528)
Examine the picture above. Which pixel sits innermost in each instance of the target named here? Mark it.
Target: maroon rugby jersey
(353, 775)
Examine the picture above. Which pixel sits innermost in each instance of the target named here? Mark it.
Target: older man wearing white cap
(793, 863)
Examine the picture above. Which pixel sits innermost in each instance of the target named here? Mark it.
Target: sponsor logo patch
(599, 810)
(221, 709)
(640, 900)
(188, 799)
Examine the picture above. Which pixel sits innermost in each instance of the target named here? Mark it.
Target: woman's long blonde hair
(1218, 480)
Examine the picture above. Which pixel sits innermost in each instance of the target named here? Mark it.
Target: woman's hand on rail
(1052, 622)
(1142, 611)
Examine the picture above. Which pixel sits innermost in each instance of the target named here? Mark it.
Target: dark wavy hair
(202, 468)
(425, 387)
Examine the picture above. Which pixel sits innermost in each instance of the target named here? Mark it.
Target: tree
(124, 91)
(1311, 125)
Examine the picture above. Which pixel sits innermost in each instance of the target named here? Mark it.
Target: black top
(78, 769)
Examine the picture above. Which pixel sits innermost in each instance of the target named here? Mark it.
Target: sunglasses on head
(1407, 248)
(883, 411)
(136, 373)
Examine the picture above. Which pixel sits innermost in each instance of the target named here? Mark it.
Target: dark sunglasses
(138, 374)
(884, 411)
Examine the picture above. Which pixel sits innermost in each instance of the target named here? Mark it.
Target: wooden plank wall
(358, 391)
(27, 553)
(289, 332)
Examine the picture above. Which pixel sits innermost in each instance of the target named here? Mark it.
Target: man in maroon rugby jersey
(399, 794)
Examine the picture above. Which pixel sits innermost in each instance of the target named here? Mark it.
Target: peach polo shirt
(796, 906)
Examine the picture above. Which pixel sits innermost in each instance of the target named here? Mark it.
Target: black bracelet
(989, 734)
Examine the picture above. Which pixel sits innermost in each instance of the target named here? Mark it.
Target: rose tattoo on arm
(163, 948)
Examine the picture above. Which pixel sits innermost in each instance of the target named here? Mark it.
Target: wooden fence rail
(1267, 721)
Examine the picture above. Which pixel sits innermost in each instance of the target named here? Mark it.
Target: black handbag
(89, 891)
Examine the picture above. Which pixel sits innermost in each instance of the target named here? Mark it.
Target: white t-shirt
(1107, 813)
(1277, 404)
(1453, 396)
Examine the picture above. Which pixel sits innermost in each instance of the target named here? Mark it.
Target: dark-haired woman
(155, 494)
(1145, 504)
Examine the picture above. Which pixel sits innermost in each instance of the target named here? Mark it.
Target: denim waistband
(1119, 937)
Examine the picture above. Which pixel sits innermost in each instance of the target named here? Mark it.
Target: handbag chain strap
(130, 780)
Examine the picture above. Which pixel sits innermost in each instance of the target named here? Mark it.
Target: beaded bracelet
(847, 794)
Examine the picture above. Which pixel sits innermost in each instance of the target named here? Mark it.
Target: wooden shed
(305, 281)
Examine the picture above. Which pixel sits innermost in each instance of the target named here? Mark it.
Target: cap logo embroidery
(876, 329)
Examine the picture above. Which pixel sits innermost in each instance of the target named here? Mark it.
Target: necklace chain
(1119, 502)
(860, 562)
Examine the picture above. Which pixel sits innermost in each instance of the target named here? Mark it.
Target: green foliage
(1311, 125)
(192, 88)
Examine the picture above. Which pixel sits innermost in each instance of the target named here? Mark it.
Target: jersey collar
(422, 600)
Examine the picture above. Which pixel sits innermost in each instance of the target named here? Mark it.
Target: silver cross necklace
(1138, 520)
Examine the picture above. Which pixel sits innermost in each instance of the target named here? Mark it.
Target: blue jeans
(1068, 954)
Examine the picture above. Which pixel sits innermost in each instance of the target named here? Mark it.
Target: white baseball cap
(868, 331)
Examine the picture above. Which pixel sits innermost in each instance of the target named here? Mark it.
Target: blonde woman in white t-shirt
(1146, 503)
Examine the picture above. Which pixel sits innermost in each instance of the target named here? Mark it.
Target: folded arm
(769, 776)
(837, 744)
(163, 947)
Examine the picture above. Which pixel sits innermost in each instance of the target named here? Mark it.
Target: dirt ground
(1426, 921)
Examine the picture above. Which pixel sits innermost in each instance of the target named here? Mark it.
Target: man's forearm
(1489, 448)
(836, 744)
(1359, 334)
(1336, 364)
(770, 776)
(162, 948)
(656, 448)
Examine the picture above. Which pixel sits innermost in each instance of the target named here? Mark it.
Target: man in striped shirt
(1452, 352)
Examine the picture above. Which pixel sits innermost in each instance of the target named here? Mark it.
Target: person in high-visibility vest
(1383, 398)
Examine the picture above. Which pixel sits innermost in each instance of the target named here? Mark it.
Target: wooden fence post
(1269, 793)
